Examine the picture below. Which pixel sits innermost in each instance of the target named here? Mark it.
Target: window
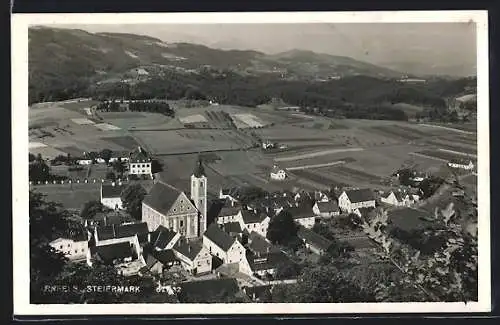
(69, 245)
(60, 247)
(201, 184)
(83, 250)
(76, 251)
(181, 223)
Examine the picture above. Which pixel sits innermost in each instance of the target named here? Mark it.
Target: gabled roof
(139, 155)
(266, 261)
(112, 191)
(219, 237)
(190, 249)
(229, 211)
(232, 227)
(258, 244)
(161, 197)
(360, 195)
(111, 252)
(131, 229)
(105, 232)
(162, 236)
(165, 257)
(313, 238)
(330, 206)
(252, 217)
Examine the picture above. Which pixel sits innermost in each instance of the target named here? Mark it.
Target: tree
(119, 166)
(132, 197)
(282, 228)
(106, 155)
(91, 209)
(111, 176)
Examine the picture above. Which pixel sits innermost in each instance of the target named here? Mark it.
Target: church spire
(199, 170)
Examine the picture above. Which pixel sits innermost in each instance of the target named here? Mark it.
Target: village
(188, 241)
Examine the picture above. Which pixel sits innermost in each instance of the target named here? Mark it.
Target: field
(442, 155)
(320, 152)
(72, 196)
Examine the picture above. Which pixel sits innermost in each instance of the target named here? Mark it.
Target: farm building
(253, 221)
(124, 256)
(353, 199)
(193, 255)
(139, 162)
(399, 198)
(75, 248)
(111, 195)
(134, 233)
(326, 209)
(277, 173)
(313, 241)
(461, 164)
(222, 245)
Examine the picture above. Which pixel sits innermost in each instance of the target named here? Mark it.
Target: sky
(426, 48)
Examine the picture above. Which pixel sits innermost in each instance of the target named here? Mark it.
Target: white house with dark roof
(111, 195)
(123, 256)
(399, 198)
(254, 221)
(139, 162)
(326, 209)
(222, 245)
(461, 164)
(262, 264)
(313, 241)
(134, 234)
(74, 247)
(303, 216)
(277, 174)
(353, 199)
(228, 214)
(194, 257)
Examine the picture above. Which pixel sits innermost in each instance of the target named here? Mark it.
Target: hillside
(65, 60)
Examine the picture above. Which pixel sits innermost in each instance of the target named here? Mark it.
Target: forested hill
(62, 60)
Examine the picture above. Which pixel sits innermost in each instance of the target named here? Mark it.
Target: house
(163, 239)
(277, 173)
(122, 255)
(254, 221)
(399, 198)
(272, 205)
(461, 164)
(359, 198)
(267, 145)
(222, 245)
(158, 262)
(228, 214)
(313, 241)
(111, 195)
(171, 208)
(74, 247)
(134, 234)
(259, 244)
(262, 264)
(303, 216)
(193, 256)
(139, 162)
(326, 209)
(233, 229)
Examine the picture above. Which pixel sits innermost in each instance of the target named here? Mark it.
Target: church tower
(199, 195)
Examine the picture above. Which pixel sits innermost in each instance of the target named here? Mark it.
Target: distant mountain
(61, 59)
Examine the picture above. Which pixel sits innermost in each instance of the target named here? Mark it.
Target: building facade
(139, 162)
(354, 199)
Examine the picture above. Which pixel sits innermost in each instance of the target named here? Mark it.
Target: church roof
(161, 197)
(199, 170)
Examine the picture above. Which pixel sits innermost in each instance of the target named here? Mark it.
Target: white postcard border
(20, 23)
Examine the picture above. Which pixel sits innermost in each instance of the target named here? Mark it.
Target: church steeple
(199, 170)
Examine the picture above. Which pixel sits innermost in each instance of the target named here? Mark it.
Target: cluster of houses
(182, 231)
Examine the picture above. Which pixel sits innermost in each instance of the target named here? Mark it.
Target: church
(171, 208)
